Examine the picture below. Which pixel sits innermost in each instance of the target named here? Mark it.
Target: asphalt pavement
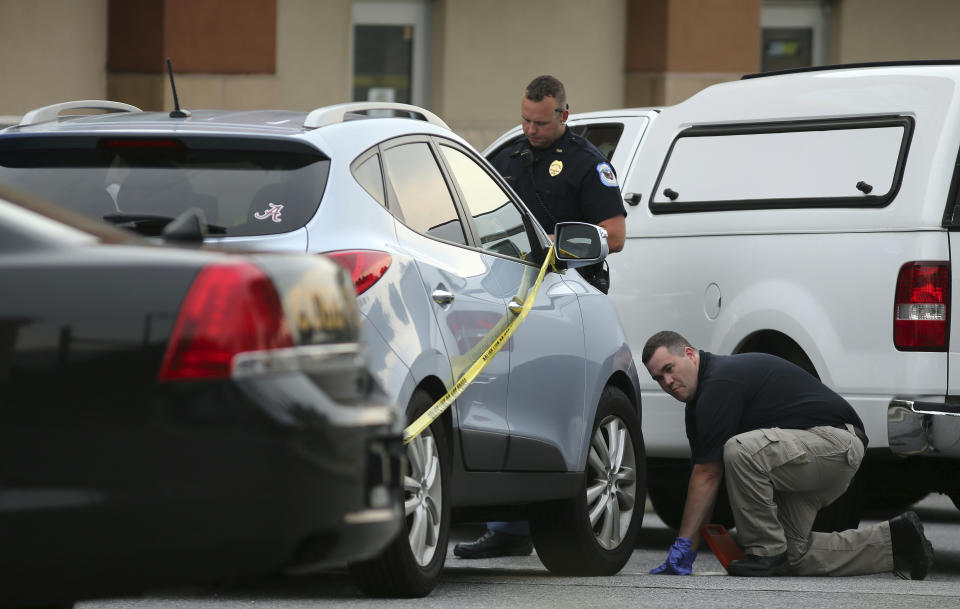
(523, 582)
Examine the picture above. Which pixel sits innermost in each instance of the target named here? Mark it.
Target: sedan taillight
(921, 308)
(366, 266)
(230, 308)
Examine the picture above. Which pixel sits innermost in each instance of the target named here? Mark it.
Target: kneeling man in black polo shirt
(788, 446)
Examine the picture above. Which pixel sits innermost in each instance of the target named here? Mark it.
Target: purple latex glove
(679, 559)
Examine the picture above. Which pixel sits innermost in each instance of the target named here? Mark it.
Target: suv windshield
(246, 186)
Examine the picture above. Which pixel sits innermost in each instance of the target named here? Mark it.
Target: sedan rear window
(244, 186)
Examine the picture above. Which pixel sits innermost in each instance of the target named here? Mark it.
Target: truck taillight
(366, 266)
(921, 308)
(229, 309)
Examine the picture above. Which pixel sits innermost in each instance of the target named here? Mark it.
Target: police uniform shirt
(571, 179)
(739, 393)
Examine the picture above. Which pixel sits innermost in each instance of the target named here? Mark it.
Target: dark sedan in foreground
(173, 416)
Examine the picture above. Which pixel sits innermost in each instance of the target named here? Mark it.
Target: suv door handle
(442, 297)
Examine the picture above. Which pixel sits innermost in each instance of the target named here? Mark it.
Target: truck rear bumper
(924, 428)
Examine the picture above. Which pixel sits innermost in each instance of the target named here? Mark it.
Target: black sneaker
(492, 544)
(752, 565)
(912, 551)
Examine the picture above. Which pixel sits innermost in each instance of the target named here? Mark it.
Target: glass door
(390, 40)
(795, 34)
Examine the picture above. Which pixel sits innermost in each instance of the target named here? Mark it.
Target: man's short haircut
(546, 86)
(665, 338)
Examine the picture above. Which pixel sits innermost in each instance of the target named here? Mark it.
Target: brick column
(208, 41)
(675, 48)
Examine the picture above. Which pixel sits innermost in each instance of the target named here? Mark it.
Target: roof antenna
(177, 112)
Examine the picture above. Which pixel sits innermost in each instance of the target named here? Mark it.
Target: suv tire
(410, 566)
(594, 533)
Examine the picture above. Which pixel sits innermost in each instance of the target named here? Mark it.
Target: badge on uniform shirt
(606, 174)
(555, 168)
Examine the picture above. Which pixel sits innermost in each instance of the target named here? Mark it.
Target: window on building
(390, 44)
(795, 34)
(382, 57)
(787, 48)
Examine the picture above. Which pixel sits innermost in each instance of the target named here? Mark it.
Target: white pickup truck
(811, 215)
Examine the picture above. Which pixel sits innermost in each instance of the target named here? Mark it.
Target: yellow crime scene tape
(431, 414)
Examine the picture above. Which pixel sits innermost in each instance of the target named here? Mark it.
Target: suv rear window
(244, 186)
(848, 163)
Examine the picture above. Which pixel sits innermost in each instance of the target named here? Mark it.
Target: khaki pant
(778, 479)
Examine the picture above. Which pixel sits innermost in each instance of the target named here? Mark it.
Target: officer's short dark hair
(546, 86)
(665, 338)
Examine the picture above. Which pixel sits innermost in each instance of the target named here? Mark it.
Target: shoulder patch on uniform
(606, 174)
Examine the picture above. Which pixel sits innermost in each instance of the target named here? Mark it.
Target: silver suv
(443, 255)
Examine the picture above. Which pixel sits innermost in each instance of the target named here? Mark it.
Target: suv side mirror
(580, 244)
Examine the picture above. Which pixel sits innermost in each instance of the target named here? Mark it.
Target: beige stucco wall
(646, 89)
(314, 52)
(52, 51)
(196, 91)
(484, 54)
(878, 30)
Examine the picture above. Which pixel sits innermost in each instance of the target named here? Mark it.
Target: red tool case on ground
(721, 543)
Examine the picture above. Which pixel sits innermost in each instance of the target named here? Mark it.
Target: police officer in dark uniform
(562, 178)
